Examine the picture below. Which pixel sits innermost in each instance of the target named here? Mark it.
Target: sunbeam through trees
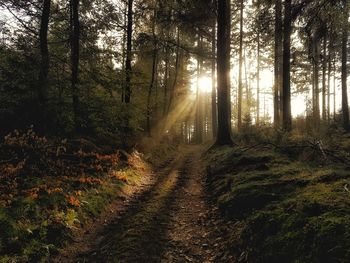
(174, 131)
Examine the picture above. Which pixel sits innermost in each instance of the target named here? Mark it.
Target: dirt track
(168, 221)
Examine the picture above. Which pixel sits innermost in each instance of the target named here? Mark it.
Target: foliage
(49, 187)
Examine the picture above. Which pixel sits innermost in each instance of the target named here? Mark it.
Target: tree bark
(128, 68)
(324, 78)
(166, 81)
(334, 89)
(287, 30)
(177, 62)
(345, 106)
(247, 86)
(125, 13)
(316, 106)
(258, 75)
(45, 59)
(240, 83)
(223, 72)
(213, 92)
(75, 54)
(199, 109)
(278, 61)
(153, 74)
(330, 47)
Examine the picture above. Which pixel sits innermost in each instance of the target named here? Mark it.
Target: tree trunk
(223, 70)
(258, 75)
(213, 92)
(345, 106)
(334, 89)
(128, 69)
(177, 62)
(287, 30)
(75, 49)
(124, 46)
(278, 61)
(316, 107)
(199, 110)
(247, 86)
(45, 60)
(324, 75)
(330, 47)
(154, 72)
(166, 81)
(240, 84)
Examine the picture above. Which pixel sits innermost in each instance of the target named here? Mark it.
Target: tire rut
(139, 234)
(170, 222)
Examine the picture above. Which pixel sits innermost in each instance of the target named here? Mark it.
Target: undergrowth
(289, 204)
(51, 187)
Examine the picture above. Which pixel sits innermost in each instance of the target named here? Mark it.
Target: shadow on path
(140, 233)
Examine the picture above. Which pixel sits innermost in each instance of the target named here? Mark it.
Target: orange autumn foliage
(89, 180)
(37, 167)
(73, 201)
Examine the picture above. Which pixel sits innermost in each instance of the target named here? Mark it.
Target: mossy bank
(283, 208)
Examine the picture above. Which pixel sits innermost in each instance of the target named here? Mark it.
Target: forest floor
(264, 202)
(169, 220)
(287, 202)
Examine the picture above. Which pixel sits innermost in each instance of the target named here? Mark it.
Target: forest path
(170, 222)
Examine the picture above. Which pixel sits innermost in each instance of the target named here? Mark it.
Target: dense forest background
(107, 67)
(140, 67)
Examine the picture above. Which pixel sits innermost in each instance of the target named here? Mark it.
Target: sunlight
(298, 105)
(266, 79)
(180, 112)
(204, 82)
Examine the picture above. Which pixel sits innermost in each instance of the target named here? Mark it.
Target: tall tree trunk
(154, 72)
(345, 106)
(124, 47)
(150, 90)
(166, 81)
(45, 59)
(258, 75)
(177, 62)
(75, 50)
(324, 78)
(247, 85)
(278, 60)
(213, 92)
(128, 69)
(223, 70)
(156, 95)
(334, 89)
(199, 109)
(316, 111)
(313, 88)
(330, 47)
(240, 83)
(287, 30)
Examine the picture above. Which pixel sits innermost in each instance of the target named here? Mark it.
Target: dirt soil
(167, 218)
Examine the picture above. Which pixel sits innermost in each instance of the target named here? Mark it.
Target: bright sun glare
(298, 101)
(205, 85)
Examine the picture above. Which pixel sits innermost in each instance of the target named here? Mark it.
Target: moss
(330, 175)
(95, 200)
(291, 211)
